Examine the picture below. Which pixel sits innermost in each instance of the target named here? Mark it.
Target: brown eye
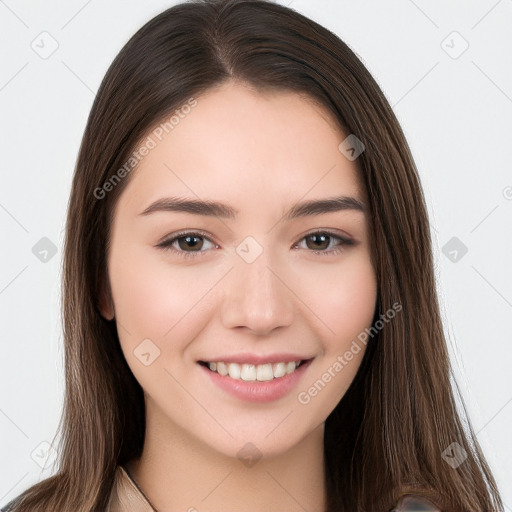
(319, 241)
(189, 242)
(186, 244)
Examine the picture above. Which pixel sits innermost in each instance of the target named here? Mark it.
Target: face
(247, 286)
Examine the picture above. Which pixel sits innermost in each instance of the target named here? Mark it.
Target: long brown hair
(387, 435)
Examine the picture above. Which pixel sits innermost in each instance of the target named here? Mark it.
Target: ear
(106, 306)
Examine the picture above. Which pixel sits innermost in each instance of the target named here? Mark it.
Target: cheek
(353, 303)
(344, 298)
(144, 303)
(345, 303)
(155, 300)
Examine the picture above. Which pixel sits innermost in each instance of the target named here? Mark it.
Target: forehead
(246, 148)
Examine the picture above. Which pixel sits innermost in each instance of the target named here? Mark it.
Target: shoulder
(414, 503)
(125, 496)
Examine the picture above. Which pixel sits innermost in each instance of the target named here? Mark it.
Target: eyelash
(166, 245)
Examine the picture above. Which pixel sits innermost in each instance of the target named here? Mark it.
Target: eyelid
(179, 234)
(345, 240)
(166, 243)
(329, 231)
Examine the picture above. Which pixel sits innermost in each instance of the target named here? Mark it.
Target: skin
(259, 153)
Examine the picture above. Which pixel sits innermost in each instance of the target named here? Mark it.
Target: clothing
(411, 503)
(127, 497)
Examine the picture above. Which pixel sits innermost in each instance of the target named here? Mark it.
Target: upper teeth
(253, 372)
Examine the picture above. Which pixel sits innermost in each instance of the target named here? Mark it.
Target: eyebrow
(216, 209)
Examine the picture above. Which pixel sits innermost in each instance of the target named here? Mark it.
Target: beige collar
(126, 496)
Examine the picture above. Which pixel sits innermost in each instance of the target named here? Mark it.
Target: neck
(177, 472)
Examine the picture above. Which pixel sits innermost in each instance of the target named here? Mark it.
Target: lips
(254, 390)
(254, 367)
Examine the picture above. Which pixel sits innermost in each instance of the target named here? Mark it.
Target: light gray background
(456, 111)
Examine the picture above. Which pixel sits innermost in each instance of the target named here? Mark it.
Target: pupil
(190, 241)
(323, 240)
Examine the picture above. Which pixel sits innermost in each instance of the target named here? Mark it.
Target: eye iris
(323, 239)
(188, 242)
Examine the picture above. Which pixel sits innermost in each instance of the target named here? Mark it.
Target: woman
(297, 359)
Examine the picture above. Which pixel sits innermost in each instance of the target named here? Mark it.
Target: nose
(257, 296)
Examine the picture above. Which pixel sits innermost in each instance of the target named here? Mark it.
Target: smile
(252, 372)
(252, 382)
